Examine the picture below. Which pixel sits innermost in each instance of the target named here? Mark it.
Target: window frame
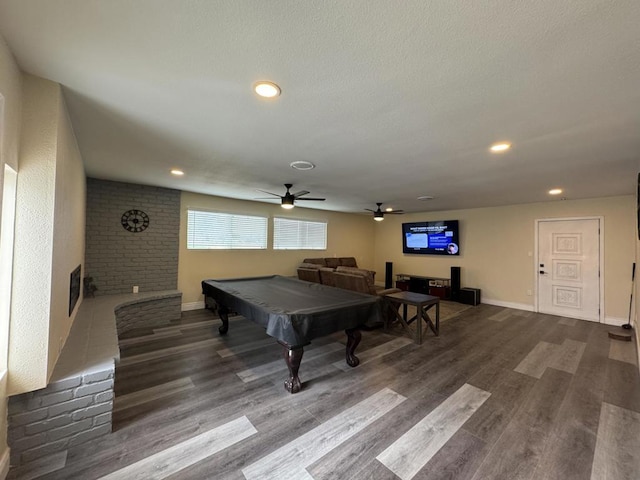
(304, 246)
(230, 216)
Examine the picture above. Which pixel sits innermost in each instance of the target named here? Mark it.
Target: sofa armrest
(327, 276)
(309, 274)
(387, 291)
(370, 274)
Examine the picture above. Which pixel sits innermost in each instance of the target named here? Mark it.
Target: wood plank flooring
(500, 394)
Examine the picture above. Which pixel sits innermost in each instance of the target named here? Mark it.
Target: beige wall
(497, 244)
(49, 236)
(348, 235)
(498, 248)
(635, 314)
(10, 115)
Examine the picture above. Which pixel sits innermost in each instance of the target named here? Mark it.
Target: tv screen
(431, 238)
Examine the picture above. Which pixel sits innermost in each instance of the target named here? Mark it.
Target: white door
(569, 268)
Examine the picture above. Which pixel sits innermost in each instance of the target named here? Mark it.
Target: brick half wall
(64, 414)
(151, 313)
(77, 404)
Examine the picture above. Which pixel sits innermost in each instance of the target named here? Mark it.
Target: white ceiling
(390, 100)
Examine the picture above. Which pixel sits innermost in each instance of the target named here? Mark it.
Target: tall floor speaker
(455, 283)
(388, 275)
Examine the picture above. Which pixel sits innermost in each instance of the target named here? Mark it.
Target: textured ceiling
(390, 100)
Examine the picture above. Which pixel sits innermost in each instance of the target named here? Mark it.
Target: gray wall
(118, 259)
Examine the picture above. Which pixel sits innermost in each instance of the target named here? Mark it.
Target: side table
(423, 304)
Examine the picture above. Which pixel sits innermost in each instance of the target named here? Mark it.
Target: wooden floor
(501, 394)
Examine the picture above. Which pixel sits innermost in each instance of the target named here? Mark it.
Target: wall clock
(134, 220)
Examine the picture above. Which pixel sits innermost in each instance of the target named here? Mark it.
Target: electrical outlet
(529, 293)
(135, 289)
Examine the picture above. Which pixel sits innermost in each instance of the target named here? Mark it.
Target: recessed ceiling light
(267, 89)
(555, 191)
(388, 209)
(424, 198)
(176, 172)
(500, 147)
(302, 165)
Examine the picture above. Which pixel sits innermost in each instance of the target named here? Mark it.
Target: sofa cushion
(313, 266)
(354, 282)
(369, 274)
(317, 261)
(332, 262)
(348, 262)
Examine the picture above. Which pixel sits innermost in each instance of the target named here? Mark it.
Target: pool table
(295, 312)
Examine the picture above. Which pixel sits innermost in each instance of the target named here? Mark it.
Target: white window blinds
(291, 234)
(214, 230)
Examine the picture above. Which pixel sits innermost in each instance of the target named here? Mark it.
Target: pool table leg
(293, 357)
(353, 339)
(224, 316)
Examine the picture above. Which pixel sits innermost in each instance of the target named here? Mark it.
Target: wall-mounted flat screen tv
(431, 238)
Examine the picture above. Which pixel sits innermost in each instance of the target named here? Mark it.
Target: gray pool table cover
(293, 311)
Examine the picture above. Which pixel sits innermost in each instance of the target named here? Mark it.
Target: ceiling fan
(288, 199)
(378, 215)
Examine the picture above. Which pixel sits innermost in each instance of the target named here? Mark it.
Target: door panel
(569, 268)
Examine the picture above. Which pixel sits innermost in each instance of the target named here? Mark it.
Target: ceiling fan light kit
(378, 215)
(288, 200)
(287, 203)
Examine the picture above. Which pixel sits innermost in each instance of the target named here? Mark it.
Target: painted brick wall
(64, 414)
(153, 313)
(118, 259)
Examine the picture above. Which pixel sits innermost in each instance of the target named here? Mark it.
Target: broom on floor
(627, 326)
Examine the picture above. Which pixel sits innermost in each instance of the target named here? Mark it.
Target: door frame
(601, 317)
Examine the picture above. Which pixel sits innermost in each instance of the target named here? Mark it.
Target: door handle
(542, 272)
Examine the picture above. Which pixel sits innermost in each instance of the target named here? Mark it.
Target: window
(291, 234)
(214, 230)
(7, 220)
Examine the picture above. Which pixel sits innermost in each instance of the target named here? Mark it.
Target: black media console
(437, 286)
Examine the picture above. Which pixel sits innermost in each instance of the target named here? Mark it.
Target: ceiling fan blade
(396, 212)
(369, 210)
(289, 198)
(268, 193)
(265, 198)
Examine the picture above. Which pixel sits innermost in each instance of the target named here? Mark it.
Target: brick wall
(66, 413)
(118, 259)
(152, 313)
(78, 406)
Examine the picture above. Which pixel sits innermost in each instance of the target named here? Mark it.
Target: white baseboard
(523, 306)
(616, 321)
(192, 306)
(500, 303)
(4, 463)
